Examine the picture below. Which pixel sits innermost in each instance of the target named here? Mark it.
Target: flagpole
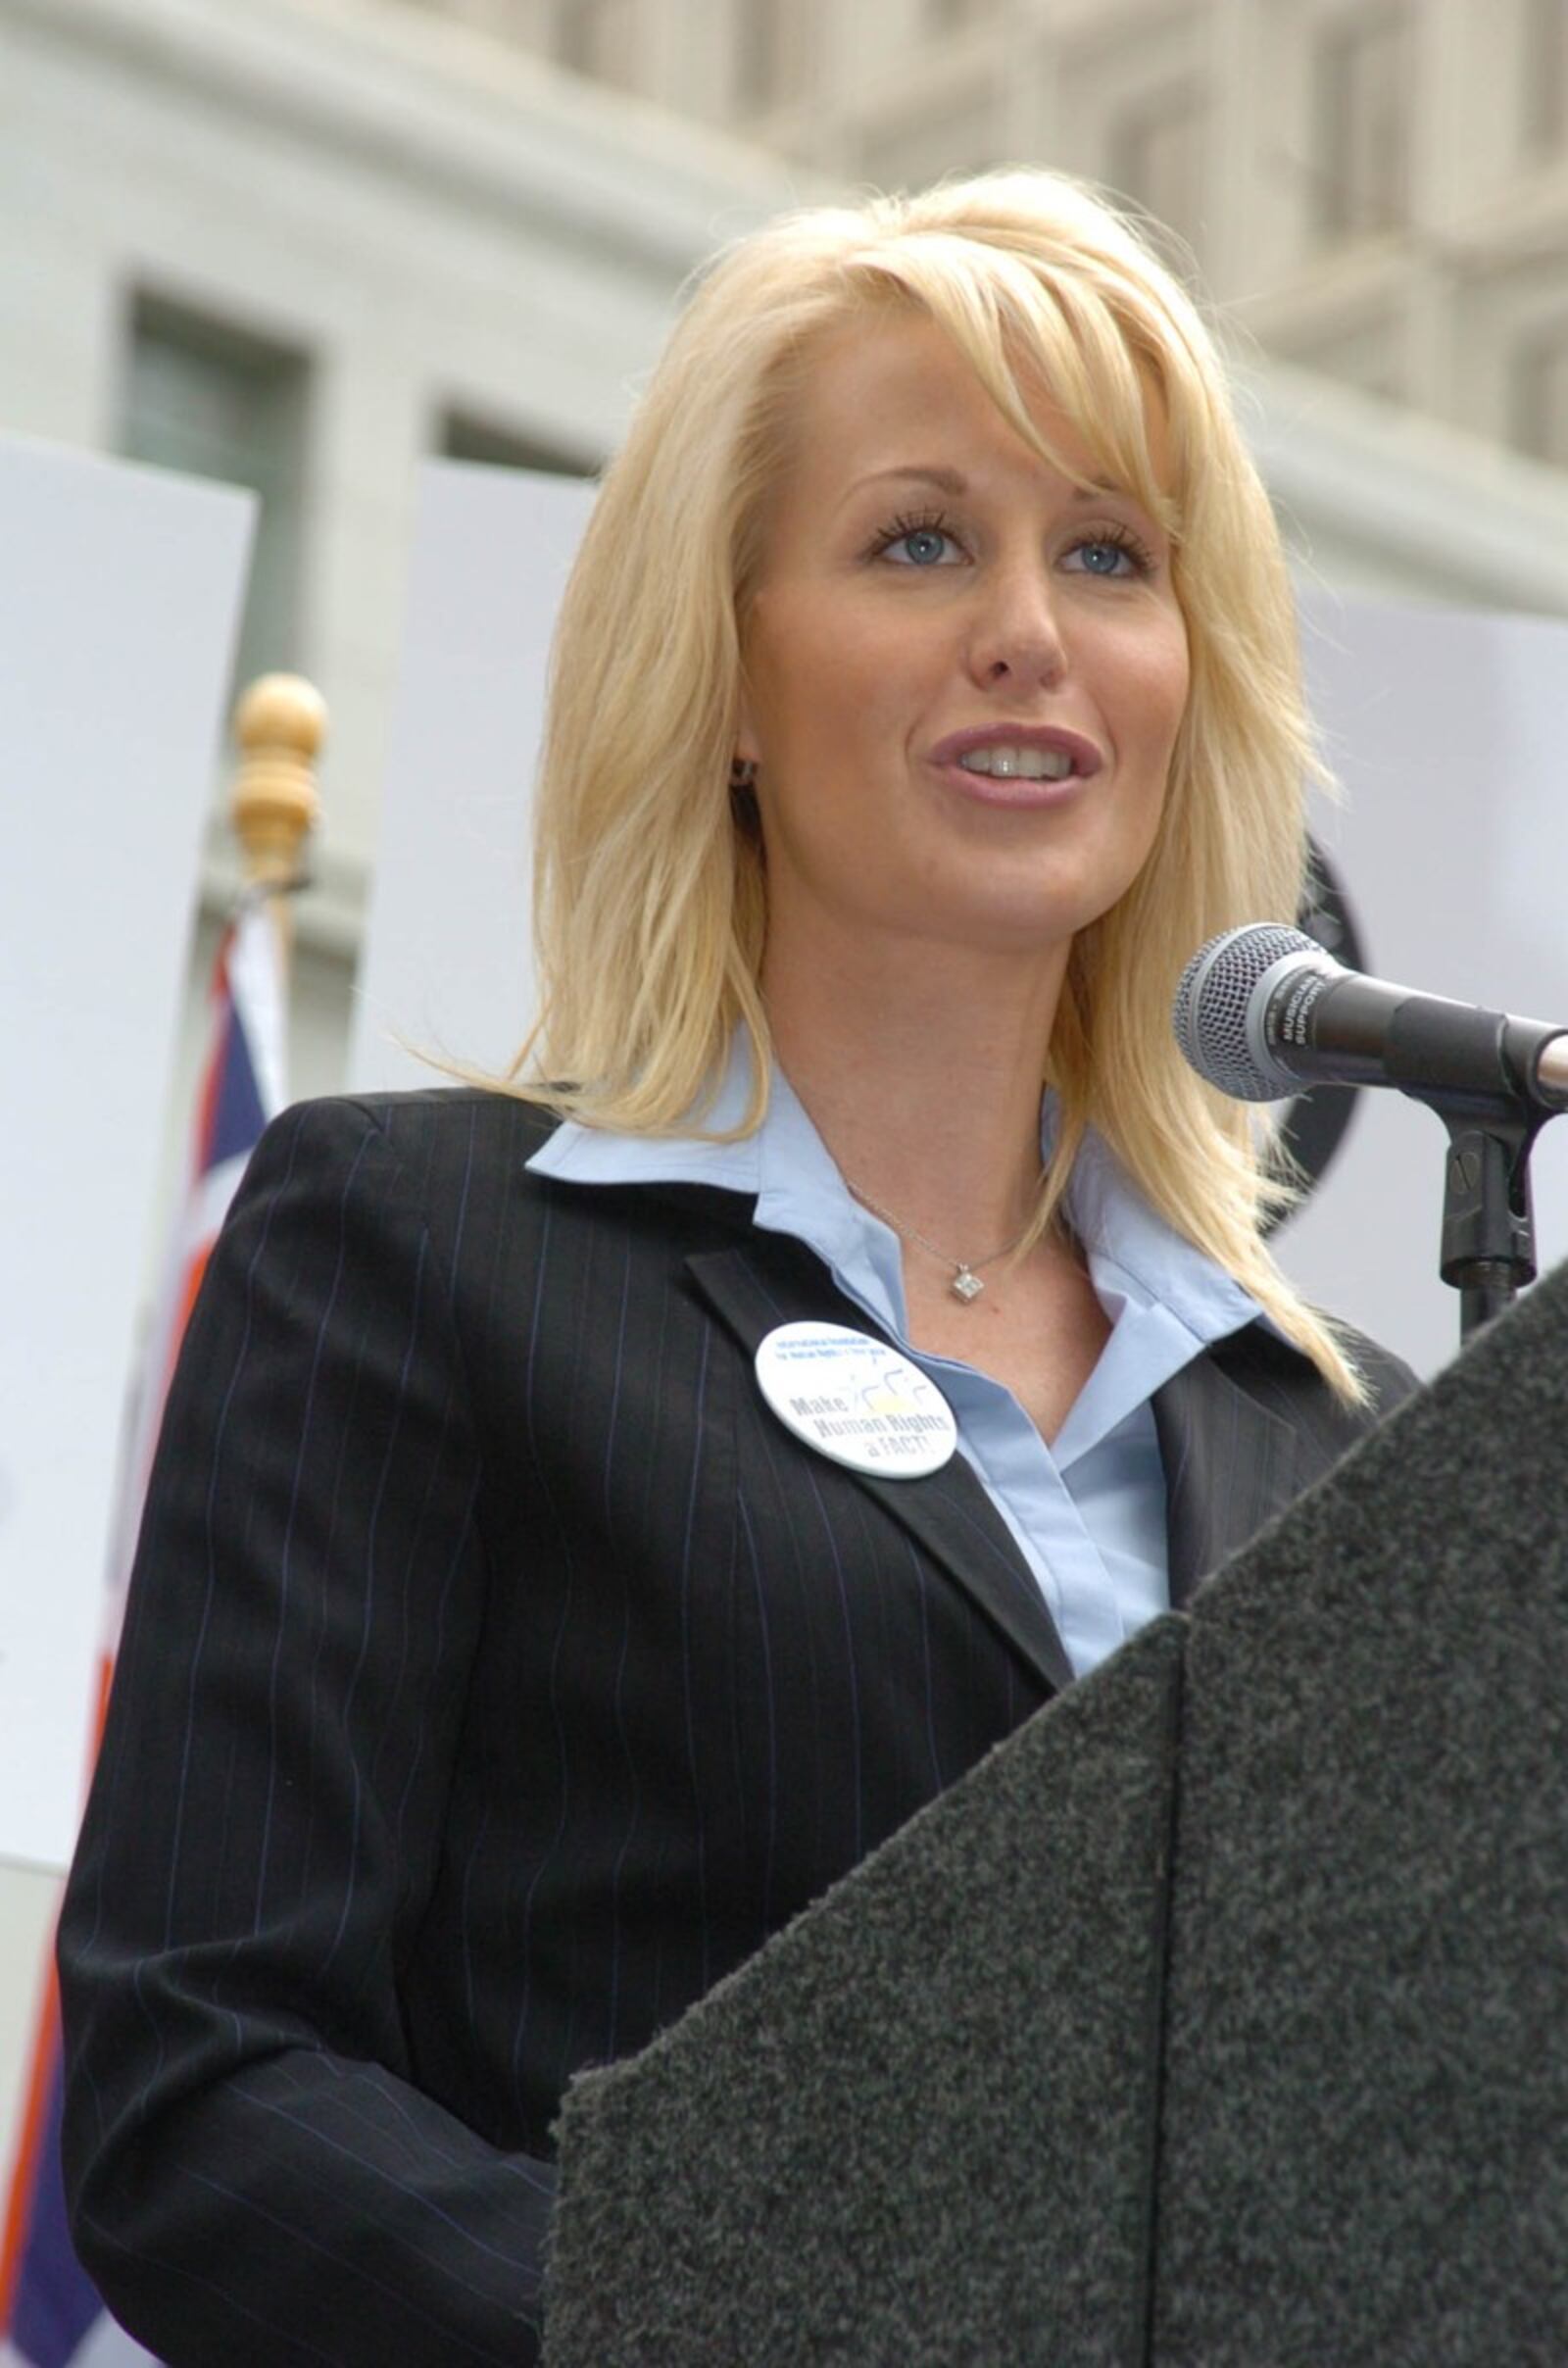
(279, 722)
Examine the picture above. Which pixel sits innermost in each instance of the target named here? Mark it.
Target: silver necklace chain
(964, 1281)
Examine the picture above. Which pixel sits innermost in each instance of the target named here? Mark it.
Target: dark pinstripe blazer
(498, 1675)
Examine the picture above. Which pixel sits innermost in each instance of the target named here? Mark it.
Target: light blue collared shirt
(1087, 1512)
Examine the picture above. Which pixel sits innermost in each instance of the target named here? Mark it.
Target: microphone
(1262, 1012)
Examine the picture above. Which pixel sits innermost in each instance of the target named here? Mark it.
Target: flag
(50, 2314)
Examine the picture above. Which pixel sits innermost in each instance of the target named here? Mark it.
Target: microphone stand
(1489, 1235)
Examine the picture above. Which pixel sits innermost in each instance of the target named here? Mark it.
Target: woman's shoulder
(429, 1157)
(453, 1164)
(1388, 1378)
(1283, 1375)
(426, 1121)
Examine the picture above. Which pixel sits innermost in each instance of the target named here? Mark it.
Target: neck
(924, 1082)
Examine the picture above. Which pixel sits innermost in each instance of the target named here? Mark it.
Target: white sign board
(447, 968)
(119, 596)
(1447, 732)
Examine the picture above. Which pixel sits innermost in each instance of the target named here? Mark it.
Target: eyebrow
(953, 480)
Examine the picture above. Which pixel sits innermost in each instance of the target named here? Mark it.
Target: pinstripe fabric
(498, 1675)
(1244, 1430)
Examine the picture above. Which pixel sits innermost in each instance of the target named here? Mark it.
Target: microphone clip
(1489, 1239)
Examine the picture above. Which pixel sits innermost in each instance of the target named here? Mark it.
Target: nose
(1017, 636)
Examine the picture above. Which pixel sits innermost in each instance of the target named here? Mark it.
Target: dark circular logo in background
(1316, 1120)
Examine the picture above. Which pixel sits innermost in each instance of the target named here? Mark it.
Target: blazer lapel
(771, 1280)
(1230, 1464)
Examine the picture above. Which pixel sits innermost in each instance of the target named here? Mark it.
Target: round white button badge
(855, 1400)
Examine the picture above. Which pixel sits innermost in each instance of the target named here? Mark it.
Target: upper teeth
(1030, 763)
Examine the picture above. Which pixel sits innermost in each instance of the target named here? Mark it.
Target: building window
(1156, 156)
(210, 400)
(1545, 56)
(772, 46)
(1540, 396)
(464, 436)
(1366, 67)
(599, 39)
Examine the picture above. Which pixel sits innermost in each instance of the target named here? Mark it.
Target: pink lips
(1016, 789)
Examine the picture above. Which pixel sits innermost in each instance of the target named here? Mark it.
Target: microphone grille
(1213, 1000)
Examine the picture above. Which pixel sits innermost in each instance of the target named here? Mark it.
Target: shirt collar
(1135, 1257)
(597, 1155)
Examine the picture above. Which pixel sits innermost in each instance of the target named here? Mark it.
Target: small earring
(743, 772)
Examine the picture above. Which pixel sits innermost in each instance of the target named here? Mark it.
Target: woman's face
(964, 676)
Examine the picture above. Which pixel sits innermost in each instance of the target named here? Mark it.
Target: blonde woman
(520, 1636)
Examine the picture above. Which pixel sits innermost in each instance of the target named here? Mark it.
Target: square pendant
(966, 1285)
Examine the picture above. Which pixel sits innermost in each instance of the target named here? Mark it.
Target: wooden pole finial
(279, 722)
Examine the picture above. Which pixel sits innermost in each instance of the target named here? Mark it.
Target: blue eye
(916, 543)
(1105, 554)
(924, 548)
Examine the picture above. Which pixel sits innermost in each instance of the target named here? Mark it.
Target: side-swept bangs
(1029, 332)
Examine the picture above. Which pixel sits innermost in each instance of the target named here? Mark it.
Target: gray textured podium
(1219, 2019)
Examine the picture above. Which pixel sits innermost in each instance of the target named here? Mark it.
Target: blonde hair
(650, 891)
